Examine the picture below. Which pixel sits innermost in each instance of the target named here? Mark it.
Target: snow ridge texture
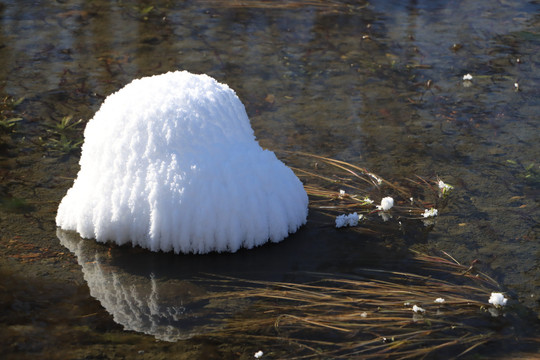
(170, 162)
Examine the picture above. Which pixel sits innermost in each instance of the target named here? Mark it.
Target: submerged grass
(337, 187)
(371, 315)
(440, 310)
(62, 136)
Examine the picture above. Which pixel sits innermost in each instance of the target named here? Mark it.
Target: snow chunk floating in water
(430, 212)
(347, 220)
(497, 299)
(170, 162)
(386, 204)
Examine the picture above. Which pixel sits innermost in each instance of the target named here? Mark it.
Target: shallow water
(379, 84)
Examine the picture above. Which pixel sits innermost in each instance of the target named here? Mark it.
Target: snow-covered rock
(170, 162)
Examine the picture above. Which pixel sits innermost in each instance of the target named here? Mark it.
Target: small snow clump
(445, 188)
(418, 309)
(258, 354)
(467, 77)
(497, 299)
(439, 300)
(386, 203)
(347, 220)
(430, 212)
(170, 162)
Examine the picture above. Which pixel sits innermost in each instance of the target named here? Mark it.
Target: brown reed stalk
(324, 182)
(369, 316)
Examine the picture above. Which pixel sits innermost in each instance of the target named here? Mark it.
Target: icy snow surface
(170, 162)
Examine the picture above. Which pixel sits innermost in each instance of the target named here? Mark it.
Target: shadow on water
(41, 315)
(176, 297)
(159, 293)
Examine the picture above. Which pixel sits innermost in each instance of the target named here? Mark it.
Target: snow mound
(170, 162)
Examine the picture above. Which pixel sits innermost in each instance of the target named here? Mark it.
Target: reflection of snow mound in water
(167, 310)
(170, 162)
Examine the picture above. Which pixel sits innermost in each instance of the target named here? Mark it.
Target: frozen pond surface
(378, 84)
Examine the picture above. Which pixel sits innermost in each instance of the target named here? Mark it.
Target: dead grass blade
(338, 187)
(370, 315)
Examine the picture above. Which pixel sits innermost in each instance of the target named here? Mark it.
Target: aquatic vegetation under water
(62, 136)
(346, 192)
(378, 313)
(8, 117)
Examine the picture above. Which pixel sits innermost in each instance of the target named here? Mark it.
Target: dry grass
(337, 187)
(369, 316)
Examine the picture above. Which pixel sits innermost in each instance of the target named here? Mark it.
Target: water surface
(379, 84)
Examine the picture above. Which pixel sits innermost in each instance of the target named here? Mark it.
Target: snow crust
(170, 162)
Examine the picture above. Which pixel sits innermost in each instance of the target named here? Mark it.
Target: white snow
(430, 212)
(347, 220)
(445, 188)
(497, 299)
(386, 204)
(170, 162)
